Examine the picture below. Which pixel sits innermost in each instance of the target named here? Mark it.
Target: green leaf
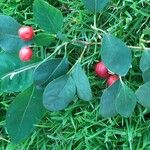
(146, 31)
(59, 93)
(146, 75)
(43, 39)
(145, 61)
(9, 39)
(95, 6)
(49, 70)
(47, 17)
(23, 113)
(125, 101)
(143, 95)
(15, 75)
(82, 83)
(116, 55)
(107, 103)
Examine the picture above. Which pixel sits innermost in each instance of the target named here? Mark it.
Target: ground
(80, 126)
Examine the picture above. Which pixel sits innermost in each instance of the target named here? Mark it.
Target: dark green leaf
(107, 103)
(49, 70)
(143, 95)
(43, 39)
(82, 83)
(59, 93)
(125, 101)
(15, 75)
(23, 113)
(9, 39)
(116, 55)
(47, 17)
(146, 75)
(95, 5)
(145, 60)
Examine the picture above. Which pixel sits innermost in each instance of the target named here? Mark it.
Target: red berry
(25, 53)
(101, 70)
(112, 79)
(26, 33)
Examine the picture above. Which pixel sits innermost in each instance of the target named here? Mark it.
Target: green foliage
(9, 40)
(108, 100)
(143, 95)
(117, 99)
(95, 6)
(71, 38)
(116, 55)
(50, 70)
(47, 17)
(125, 101)
(15, 75)
(146, 75)
(59, 93)
(44, 39)
(82, 83)
(23, 113)
(145, 61)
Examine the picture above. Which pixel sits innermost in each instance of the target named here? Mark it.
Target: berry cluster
(102, 71)
(26, 33)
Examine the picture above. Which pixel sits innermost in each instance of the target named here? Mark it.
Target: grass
(80, 126)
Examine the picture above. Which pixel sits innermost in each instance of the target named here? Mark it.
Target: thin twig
(99, 43)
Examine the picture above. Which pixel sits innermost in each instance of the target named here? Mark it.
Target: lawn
(80, 126)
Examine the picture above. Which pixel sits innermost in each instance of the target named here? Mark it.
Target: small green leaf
(145, 61)
(146, 75)
(125, 101)
(59, 93)
(143, 95)
(49, 70)
(23, 113)
(9, 39)
(116, 55)
(15, 75)
(47, 17)
(95, 6)
(146, 31)
(43, 39)
(82, 83)
(107, 103)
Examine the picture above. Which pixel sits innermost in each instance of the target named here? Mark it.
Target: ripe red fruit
(26, 33)
(101, 70)
(25, 53)
(112, 79)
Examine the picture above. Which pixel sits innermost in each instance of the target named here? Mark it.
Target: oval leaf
(125, 101)
(107, 103)
(95, 6)
(23, 113)
(49, 70)
(9, 39)
(47, 17)
(116, 55)
(146, 75)
(145, 60)
(143, 95)
(43, 39)
(59, 93)
(82, 83)
(15, 75)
